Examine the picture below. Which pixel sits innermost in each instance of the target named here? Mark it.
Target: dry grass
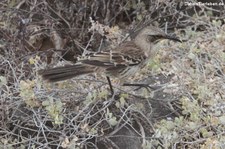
(185, 111)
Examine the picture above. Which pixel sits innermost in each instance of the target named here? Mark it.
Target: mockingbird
(121, 62)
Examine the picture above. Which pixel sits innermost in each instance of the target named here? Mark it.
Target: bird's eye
(154, 38)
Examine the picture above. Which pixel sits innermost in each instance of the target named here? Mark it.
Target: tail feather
(65, 72)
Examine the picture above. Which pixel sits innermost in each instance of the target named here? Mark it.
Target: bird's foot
(147, 86)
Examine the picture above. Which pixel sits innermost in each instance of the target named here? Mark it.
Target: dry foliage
(186, 110)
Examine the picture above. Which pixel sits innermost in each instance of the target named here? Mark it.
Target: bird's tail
(65, 72)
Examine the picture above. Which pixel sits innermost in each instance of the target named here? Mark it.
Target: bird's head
(154, 35)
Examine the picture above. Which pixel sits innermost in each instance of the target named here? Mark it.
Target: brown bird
(121, 62)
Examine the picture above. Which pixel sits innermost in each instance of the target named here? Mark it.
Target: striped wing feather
(127, 54)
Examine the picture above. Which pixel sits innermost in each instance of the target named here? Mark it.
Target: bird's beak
(172, 38)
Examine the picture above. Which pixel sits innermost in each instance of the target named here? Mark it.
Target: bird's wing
(126, 54)
(131, 52)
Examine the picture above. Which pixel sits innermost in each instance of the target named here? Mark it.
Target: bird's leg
(142, 85)
(110, 85)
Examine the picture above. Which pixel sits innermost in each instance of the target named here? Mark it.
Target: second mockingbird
(121, 62)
